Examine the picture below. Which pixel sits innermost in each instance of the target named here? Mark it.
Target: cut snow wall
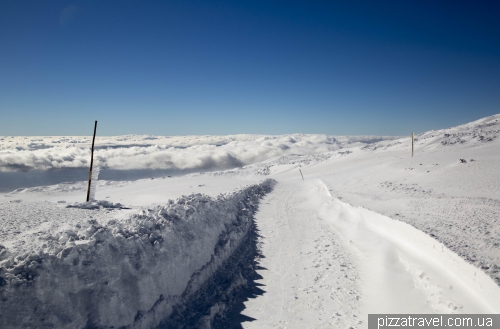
(130, 273)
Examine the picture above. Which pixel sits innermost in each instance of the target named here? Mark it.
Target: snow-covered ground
(370, 229)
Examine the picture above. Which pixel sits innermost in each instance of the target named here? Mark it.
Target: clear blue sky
(263, 67)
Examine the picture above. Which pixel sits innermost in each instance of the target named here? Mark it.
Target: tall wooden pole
(91, 162)
(301, 174)
(412, 140)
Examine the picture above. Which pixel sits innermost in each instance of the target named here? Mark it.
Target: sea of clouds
(29, 158)
(199, 153)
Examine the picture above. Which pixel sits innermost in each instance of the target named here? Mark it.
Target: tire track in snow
(308, 277)
(280, 241)
(403, 269)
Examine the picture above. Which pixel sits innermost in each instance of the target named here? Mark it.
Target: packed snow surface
(361, 228)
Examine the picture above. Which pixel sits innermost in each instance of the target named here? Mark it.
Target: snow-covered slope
(449, 189)
(350, 261)
(362, 217)
(328, 264)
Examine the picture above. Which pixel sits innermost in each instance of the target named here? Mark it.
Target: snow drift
(129, 272)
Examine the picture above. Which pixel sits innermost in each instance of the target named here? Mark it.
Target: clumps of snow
(130, 272)
(96, 204)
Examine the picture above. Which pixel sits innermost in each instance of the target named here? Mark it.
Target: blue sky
(261, 67)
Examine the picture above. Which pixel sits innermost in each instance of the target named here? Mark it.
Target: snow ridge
(126, 273)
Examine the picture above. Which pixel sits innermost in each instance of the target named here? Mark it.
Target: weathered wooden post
(412, 140)
(301, 174)
(91, 162)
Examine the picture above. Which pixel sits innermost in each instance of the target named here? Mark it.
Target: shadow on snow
(220, 301)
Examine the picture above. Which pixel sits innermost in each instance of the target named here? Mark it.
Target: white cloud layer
(180, 153)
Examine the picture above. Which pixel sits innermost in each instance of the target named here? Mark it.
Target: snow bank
(405, 269)
(132, 272)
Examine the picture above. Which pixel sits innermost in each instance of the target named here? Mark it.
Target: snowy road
(308, 275)
(328, 264)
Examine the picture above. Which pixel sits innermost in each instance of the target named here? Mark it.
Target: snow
(445, 283)
(132, 271)
(308, 274)
(370, 229)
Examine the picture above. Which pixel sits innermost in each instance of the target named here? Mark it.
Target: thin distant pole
(412, 140)
(301, 174)
(91, 162)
